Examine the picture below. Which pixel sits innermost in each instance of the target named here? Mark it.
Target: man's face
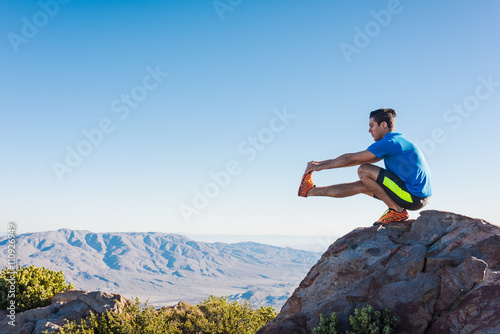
(378, 131)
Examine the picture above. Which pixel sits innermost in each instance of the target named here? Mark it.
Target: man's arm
(345, 160)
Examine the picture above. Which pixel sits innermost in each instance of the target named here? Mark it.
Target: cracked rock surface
(71, 305)
(439, 274)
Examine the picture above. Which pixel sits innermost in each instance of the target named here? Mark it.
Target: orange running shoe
(306, 184)
(392, 215)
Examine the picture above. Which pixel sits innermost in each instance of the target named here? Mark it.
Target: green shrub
(188, 319)
(214, 315)
(224, 317)
(367, 321)
(33, 287)
(132, 319)
(364, 321)
(328, 325)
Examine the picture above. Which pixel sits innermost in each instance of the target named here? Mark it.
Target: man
(405, 183)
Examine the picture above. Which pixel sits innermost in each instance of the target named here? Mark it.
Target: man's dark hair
(384, 115)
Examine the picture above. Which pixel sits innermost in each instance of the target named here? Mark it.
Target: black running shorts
(396, 189)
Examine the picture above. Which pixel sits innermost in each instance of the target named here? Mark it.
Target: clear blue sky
(171, 92)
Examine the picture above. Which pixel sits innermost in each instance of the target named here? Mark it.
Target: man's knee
(367, 170)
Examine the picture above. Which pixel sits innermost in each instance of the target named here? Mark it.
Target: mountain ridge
(167, 267)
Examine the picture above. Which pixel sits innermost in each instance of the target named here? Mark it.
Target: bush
(33, 287)
(132, 319)
(364, 321)
(214, 315)
(224, 317)
(367, 321)
(328, 325)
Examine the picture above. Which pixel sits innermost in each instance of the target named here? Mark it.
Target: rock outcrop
(438, 274)
(66, 306)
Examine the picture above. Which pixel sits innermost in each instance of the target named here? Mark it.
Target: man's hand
(313, 166)
(345, 160)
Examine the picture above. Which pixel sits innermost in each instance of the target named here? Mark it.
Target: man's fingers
(310, 167)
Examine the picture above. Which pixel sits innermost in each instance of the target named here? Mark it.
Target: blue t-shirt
(404, 159)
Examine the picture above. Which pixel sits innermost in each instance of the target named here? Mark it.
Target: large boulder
(71, 305)
(438, 274)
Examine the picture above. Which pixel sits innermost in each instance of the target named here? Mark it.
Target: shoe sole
(301, 182)
(393, 221)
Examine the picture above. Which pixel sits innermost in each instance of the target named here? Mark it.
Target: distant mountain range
(312, 243)
(167, 268)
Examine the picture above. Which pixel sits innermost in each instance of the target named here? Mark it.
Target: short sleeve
(380, 148)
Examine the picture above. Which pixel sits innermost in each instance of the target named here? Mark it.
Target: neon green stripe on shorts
(404, 195)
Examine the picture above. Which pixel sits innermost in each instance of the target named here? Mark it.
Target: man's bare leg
(367, 185)
(368, 175)
(340, 190)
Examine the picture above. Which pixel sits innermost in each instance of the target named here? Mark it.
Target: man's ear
(383, 125)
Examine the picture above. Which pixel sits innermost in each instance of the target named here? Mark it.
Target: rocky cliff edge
(439, 274)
